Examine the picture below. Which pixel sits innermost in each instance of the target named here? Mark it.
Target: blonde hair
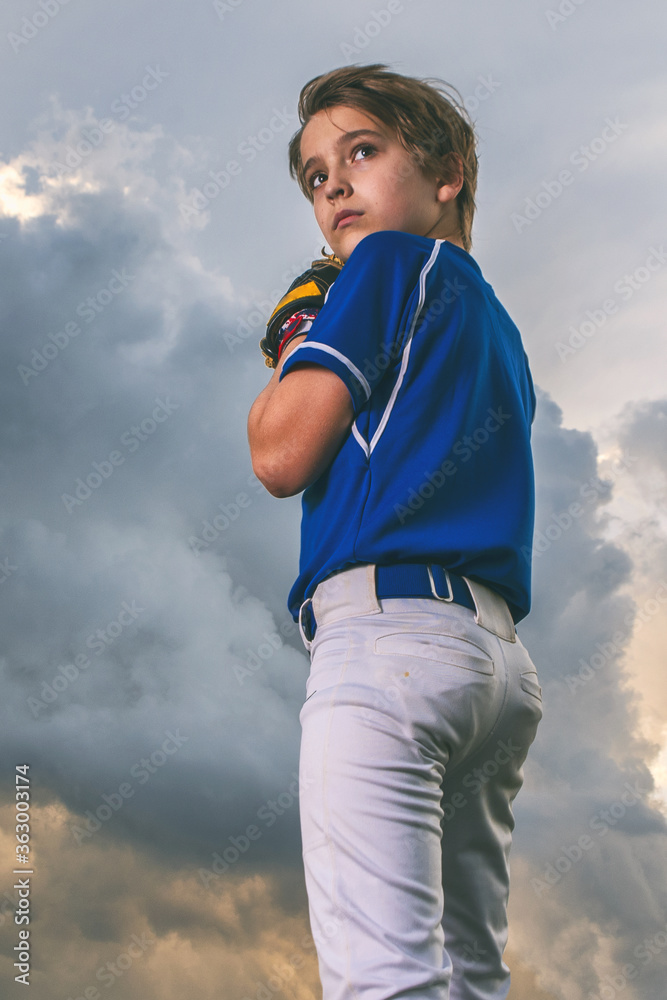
(432, 126)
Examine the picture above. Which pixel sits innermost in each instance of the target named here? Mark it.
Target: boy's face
(374, 176)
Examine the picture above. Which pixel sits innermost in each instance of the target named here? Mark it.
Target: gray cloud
(642, 433)
(588, 830)
(121, 442)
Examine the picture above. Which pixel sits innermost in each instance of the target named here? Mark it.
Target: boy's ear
(450, 180)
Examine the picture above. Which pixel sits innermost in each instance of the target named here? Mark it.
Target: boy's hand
(304, 298)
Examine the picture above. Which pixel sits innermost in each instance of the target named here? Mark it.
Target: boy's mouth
(340, 217)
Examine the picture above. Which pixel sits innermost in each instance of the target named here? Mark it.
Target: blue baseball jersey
(437, 466)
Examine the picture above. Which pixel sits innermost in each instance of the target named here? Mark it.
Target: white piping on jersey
(361, 441)
(341, 357)
(406, 350)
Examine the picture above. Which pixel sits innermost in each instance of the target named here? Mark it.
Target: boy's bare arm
(295, 427)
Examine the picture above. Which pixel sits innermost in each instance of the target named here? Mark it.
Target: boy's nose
(337, 183)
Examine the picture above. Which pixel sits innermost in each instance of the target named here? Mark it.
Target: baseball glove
(303, 300)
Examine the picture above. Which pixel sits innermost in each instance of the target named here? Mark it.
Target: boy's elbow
(279, 486)
(277, 478)
(283, 490)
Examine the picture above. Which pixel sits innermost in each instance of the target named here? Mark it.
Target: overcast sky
(151, 674)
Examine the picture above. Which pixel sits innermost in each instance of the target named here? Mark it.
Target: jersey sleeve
(358, 332)
(532, 398)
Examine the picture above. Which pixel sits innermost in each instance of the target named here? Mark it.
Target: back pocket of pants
(445, 649)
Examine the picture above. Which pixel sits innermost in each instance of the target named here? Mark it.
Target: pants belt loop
(450, 592)
(492, 612)
(372, 601)
(308, 642)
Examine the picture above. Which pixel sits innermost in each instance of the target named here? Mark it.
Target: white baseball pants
(415, 728)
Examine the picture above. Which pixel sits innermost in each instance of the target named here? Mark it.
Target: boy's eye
(358, 149)
(366, 145)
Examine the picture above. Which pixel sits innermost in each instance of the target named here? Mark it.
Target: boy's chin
(346, 246)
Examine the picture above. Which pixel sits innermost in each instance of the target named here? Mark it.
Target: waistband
(357, 591)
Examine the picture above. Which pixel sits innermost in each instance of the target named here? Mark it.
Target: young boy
(402, 404)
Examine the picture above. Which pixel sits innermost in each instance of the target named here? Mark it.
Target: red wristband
(291, 328)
